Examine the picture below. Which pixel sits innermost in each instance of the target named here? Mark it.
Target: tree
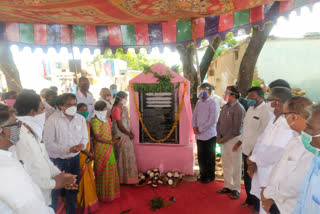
(9, 69)
(252, 53)
(135, 61)
(189, 71)
(208, 56)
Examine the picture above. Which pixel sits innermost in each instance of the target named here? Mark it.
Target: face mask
(84, 114)
(124, 102)
(101, 115)
(108, 98)
(113, 92)
(71, 111)
(269, 107)
(36, 123)
(53, 101)
(285, 122)
(252, 102)
(306, 140)
(14, 134)
(203, 94)
(10, 102)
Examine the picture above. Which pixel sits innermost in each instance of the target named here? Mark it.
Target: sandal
(224, 190)
(235, 195)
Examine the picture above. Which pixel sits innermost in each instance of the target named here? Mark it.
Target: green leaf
(172, 199)
(125, 211)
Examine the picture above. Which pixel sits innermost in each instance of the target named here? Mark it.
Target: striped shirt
(204, 117)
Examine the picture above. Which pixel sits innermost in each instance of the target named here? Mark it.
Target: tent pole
(195, 49)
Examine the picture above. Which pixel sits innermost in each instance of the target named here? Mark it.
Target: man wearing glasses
(204, 120)
(65, 136)
(287, 176)
(309, 199)
(270, 145)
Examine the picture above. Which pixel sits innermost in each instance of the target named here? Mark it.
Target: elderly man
(50, 102)
(204, 120)
(288, 174)
(65, 135)
(105, 96)
(19, 194)
(254, 124)
(84, 96)
(309, 199)
(32, 152)
(270, 146)
(229, 129)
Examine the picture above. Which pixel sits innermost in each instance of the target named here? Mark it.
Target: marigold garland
(174, 124)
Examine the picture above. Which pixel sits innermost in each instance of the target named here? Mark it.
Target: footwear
(224, 190)
(205, 180)
(235, 195)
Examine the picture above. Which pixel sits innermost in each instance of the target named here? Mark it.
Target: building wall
(223, 71)
(295, 60)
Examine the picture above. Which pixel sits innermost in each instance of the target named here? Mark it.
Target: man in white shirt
(50, 102)
(309, 198)
(65, 135)
(270, 145)
(31, 151)
(84, 96)
(18, 193)
(255, 122)
(288, 174)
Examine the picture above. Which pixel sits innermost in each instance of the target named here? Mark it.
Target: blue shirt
(309, 199)
(205, 117)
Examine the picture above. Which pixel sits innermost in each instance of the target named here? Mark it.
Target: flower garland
(174, 124)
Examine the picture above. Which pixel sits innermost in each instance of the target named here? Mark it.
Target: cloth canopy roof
(157, 34)
(106, 12)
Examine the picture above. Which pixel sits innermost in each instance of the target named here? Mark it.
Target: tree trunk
(189, 71)
(252, 53)
(208, 56)
(9, 69)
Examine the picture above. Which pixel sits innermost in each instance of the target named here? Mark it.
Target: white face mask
(269, 107)
(101, 115)
(285, 122)
(124, 102)
(71, 111)
(36, 123)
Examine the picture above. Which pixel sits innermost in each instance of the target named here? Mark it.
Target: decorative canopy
(167, 33)
(106, 12)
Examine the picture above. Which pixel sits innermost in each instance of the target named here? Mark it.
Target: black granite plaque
(158, 111)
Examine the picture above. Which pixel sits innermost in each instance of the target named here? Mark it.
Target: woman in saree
(124, 151)
(105, 166)
(87, 197)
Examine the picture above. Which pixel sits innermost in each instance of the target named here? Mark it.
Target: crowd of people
(67, 150)
(277, 139)
(72, 149)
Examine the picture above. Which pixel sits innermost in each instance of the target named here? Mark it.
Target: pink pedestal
(166, 157)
